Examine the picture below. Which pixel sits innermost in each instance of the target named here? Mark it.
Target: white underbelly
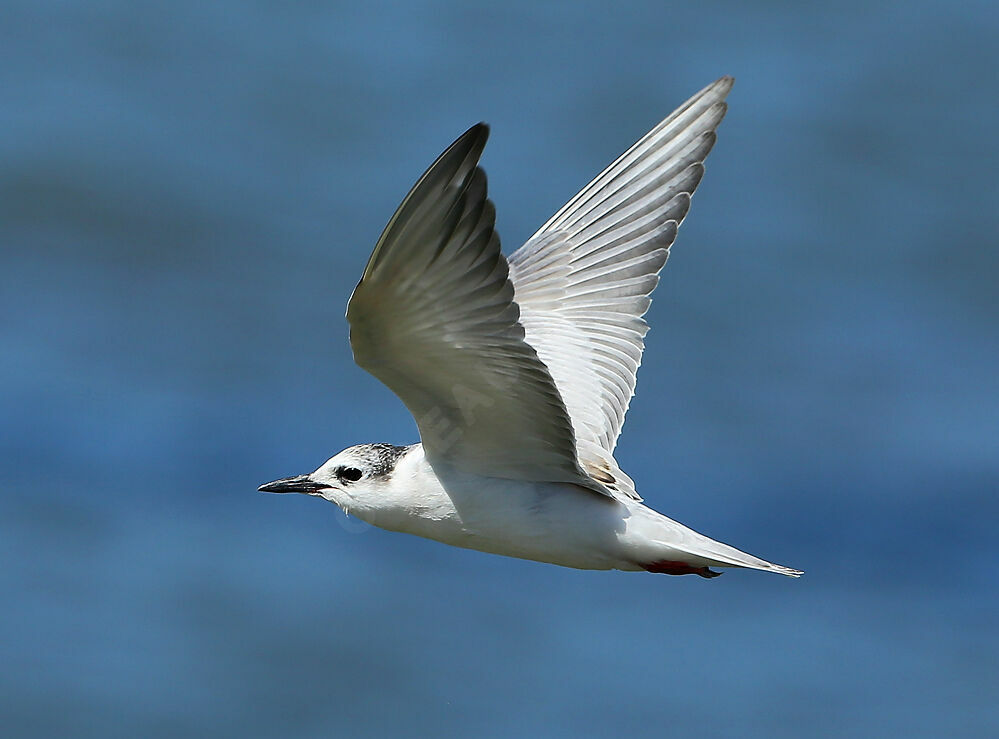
(557, 523)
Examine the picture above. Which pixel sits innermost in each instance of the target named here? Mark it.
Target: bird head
(345, 478)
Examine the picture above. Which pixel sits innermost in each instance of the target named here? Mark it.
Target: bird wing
(433, 317)
(583, 281)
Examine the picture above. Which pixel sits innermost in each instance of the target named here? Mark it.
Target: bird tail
(683, 545)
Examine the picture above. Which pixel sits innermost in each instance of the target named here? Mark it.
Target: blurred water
(187, 194)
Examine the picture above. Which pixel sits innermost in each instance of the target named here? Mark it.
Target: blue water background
(188, 192)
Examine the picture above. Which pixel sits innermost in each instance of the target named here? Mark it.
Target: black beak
(299, 484)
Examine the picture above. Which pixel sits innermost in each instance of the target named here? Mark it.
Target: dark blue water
(188, 192)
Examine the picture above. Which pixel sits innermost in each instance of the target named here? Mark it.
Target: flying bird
(519, 371)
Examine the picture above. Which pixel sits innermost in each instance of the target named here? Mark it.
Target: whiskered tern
(519, 371)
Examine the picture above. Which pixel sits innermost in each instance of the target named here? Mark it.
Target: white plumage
(583, 280)
(519, 373)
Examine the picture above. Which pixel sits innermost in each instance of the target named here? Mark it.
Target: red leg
(668, 567)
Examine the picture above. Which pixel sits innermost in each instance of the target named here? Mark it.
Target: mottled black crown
(380, 459)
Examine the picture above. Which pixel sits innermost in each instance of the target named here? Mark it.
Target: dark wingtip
(481, 129)
(473, 141)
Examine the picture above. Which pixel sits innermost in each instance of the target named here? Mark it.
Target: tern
(519, 371)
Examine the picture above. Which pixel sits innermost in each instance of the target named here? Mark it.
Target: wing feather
(584, 280)
(433, 317)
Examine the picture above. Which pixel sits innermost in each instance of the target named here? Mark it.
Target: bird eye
(349, 474)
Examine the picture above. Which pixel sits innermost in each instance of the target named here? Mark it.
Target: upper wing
(583, 280)
(433, 318)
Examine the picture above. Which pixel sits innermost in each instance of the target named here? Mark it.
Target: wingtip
(711, 94)
(469, 145)
(722, 85)
(479, 133)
